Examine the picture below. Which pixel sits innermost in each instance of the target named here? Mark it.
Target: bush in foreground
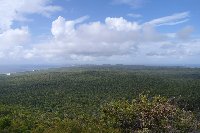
(141, 115)
(148, 115)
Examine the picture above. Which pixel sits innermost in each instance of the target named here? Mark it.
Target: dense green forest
(80, 99)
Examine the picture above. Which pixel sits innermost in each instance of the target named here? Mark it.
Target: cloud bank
(13, 40)
(115, 37)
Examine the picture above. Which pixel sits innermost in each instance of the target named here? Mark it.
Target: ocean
(4, 69)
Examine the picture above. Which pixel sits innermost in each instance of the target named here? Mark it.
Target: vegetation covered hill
(72, 98)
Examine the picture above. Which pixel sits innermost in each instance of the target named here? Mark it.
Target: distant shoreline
(6, 69)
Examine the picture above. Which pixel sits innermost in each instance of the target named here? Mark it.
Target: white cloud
(185, 33)
(174, 49)
(170, 20)
(14, 37)
(120, 24)
(16, 10)
(115, 39)
(61, 27)
(12, 41)
(95, 39)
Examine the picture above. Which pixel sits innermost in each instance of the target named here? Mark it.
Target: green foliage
(84, 90)
(22, 120)
(70, 99)
(5, 122)
(154, 115)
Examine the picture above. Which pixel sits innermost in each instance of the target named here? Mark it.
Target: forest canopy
(101, 99)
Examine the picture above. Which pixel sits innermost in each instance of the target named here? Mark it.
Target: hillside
(82, 91)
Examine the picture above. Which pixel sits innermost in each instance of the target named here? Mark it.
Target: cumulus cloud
(120, 24)
(16, 10)
(71, 40)
(74, 39)
(113, 39)
(13, 40)
(14, 36)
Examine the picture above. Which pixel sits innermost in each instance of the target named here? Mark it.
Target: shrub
(4, 123)
(148, 115)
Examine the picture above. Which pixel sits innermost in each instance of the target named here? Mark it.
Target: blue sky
(98, 32)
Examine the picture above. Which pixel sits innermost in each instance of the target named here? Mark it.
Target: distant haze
(22, 68)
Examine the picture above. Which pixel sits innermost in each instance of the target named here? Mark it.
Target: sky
(162, 32)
